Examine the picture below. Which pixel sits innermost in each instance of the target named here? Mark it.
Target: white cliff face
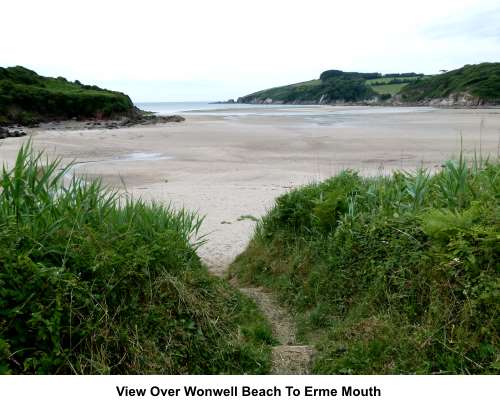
(453, 100)
(457, 100)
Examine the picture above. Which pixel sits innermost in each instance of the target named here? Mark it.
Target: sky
(187, 50)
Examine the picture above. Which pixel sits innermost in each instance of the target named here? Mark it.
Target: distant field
(388, 79)
(389, 88)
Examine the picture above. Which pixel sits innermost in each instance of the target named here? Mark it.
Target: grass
(386, 85)
(249, 217)
(389, 275)
(92, 282)
(391, 89)
(387, 80)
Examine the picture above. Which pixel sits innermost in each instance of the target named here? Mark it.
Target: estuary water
(211, 108)
(316, 115)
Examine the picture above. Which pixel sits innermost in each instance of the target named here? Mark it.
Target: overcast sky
(190, 50)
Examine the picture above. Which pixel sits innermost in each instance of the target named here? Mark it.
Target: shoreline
(375, 104)
(16, 130)
(152, 118)
(234, 168)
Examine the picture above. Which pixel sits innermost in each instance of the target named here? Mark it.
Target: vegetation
(390, 89)
(481, 81)
(336, 74)
(334, 86)
(27, 98)
(396, 274)
(408, 75)
(391, 80)
(391, 84)
(93, 282)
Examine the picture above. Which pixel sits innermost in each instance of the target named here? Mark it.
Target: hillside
(469, 85)
(334, 86)
(28, 98)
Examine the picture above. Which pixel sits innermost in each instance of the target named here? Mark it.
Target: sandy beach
(226, 164)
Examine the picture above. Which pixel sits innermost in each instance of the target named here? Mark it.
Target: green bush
(27, 98)
(394, 274)
(93, 282)
(482, 81)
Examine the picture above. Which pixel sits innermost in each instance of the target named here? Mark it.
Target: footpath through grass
(396, 274)
(92, 282)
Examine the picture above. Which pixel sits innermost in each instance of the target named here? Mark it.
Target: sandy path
(228, 167)
(288, 357)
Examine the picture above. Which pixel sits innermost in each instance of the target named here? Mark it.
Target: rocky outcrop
(323, 100)
(11, 133)
(455, 100)
(123, 122)
(139, 119)
(146, 119)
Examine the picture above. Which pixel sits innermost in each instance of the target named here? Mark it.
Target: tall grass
(394, 274)
(92, 282)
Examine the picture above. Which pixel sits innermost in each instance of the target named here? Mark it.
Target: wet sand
(227, 165)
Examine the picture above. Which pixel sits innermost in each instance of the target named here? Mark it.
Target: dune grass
(94, 282)
(397, 274)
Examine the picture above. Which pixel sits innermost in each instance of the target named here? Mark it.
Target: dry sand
(227, 166)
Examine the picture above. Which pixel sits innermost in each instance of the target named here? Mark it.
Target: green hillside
(481, 81)
(331, 87)
(471, 85)
(27, 98)
(286, 93)
(334, 86)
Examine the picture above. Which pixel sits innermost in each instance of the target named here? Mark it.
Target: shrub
(94, 282)
(394, 274)
(27, 98)
(481, 80)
